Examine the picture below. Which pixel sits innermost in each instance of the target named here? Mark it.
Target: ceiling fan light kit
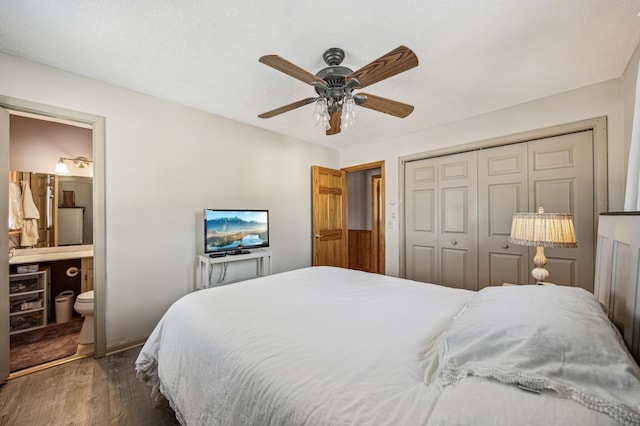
(334, 85)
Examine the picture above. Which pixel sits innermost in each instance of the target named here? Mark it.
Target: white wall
(629, 97)
(164, 164)
(37, 145)
(604, 99)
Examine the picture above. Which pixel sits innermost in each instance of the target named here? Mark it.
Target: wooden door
(561, 181)
(4, 242)
(43, 191)
(377, 204)
(502, 191)
(329, 188)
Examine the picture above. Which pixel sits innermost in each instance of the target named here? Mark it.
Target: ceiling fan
(334, 86)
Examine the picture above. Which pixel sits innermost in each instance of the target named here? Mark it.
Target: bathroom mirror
(36, 145)
(65, 205)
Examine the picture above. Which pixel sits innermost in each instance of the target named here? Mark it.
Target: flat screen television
(235, 231)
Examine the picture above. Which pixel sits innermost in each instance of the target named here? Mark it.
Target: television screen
(233, 231)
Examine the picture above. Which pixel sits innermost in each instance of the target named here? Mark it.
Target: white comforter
(327, 346)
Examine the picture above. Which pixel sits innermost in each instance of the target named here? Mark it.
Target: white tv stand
(262, 257)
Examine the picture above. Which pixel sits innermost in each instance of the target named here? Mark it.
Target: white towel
(16, 215)
(29, 235)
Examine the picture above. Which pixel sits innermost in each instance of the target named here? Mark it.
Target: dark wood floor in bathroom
(89, 391)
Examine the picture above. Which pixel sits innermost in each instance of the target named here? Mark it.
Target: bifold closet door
(555, 173)
(502, 191)
(421, 220)
(561, 180)
(458, 211)
(458, 224)
(441, 221)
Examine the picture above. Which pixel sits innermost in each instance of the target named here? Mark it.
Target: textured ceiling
(475, 56)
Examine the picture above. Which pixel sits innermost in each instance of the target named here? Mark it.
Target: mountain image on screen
(234, 232)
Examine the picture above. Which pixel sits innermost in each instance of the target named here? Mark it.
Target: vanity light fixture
(80, 162)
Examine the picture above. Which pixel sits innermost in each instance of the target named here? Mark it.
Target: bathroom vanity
(62, 268)
(52, 254)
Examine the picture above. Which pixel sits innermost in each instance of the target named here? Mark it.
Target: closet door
(441, 243)
(458, 220)
(502, 191)
(561, 181)
(421, 220)
(457, 231)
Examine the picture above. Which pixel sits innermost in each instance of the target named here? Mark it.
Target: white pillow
(544, 338)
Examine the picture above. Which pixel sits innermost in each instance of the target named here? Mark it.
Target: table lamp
(542, 230)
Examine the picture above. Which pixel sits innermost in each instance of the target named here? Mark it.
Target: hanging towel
(16, 214)
(29, 235)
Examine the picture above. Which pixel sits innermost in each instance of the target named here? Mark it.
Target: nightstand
(543, 283)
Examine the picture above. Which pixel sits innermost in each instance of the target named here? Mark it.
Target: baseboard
(125, 346)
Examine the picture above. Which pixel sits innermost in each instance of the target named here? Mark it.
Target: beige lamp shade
(543, 229)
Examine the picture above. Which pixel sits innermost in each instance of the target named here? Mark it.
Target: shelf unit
(27, 301)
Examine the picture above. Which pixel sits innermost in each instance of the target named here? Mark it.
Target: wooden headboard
(617, 280)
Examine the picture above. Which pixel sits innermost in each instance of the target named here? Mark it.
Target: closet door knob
(505, 246)
(454, 242)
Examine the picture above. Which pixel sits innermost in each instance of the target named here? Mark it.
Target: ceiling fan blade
(335, 121)
(380, 104)
(282, 65)
(286, 108)
(398, 60)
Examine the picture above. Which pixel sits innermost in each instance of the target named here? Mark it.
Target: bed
(331, 346)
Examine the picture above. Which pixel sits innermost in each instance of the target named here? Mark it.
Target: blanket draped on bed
(316, 346)
(520, 335)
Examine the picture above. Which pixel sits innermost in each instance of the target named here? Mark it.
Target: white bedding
(544, 339)
(328, 346)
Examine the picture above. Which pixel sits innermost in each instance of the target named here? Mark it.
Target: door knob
(317, 235)
(454, 242)
(505, 246)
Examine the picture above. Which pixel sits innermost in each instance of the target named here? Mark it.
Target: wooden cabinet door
(87, 274)
(329, 188)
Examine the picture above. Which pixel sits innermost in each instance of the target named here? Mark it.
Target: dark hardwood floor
(89, 391)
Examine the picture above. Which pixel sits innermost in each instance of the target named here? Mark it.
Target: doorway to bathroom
(45, 278)
(44, 326)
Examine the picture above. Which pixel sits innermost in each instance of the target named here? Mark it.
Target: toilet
(84, 306)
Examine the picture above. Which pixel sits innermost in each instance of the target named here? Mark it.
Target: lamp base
(539, 273)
